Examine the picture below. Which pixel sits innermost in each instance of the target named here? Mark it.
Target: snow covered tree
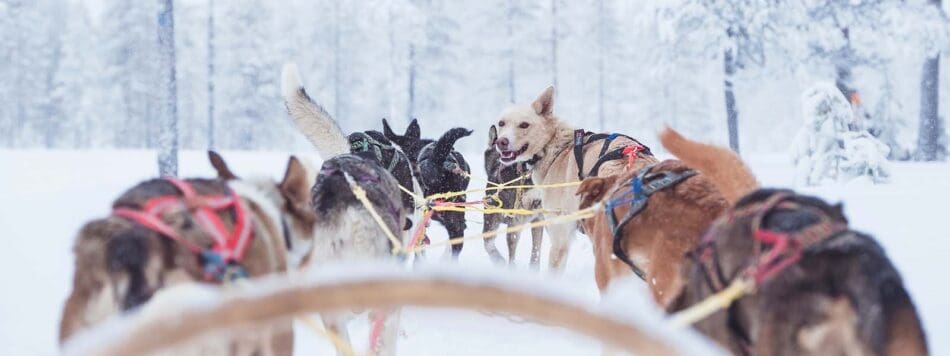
(31, 53)
(886, 122)
(829, 147)
(431, 59)
(248, 75)
(738, 31)
(126, 42)
(849, 35)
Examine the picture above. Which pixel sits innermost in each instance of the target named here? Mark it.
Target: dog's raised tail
(445, 144)
(726, 170)
(311, 119)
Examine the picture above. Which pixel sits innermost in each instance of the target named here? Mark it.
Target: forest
(117, 74)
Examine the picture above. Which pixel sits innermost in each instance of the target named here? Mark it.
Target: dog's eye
(501, 124)
(524, 125)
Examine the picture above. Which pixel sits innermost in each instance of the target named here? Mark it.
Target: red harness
(228, 248)
(784, 248)
(631, 153)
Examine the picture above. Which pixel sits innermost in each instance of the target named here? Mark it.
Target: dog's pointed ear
(392, 136)
(388, 131)
(544, 104)
(294, 185)
(217, 162)
(593, 189)
(413, 130)
(492, 135)
(839, 210)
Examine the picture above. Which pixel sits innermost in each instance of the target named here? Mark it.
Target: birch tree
(931, 136)
(168, 137)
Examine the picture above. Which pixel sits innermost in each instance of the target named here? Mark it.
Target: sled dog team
(689, 227)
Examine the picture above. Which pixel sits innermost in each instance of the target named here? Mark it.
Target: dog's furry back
(344, 228)
(726, 170)
(843, 297)
(315, 123)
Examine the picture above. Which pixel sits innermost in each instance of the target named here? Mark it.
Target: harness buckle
(219, 269)
(579, 137)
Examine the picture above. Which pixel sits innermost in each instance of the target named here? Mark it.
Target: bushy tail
(311, 119)
(727, 171)
(445, 144)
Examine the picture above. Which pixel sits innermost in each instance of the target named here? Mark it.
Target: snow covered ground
(48, 195)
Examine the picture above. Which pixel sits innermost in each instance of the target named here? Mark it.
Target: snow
(48, 195)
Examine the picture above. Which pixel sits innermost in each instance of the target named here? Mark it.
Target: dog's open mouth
(508, 156)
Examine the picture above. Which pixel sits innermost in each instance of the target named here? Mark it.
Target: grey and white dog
(345, 231)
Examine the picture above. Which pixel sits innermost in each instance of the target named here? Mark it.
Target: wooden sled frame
(377, 287)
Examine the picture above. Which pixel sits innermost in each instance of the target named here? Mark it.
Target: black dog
(438, 169)
(375, 143)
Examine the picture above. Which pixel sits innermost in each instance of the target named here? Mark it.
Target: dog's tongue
(508, 155)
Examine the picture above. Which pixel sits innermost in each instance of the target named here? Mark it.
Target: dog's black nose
(502, 143)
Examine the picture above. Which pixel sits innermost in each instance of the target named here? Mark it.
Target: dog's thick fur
(438, 170)
(533, 132)
(844, 297)
(345, 232)
(120, 264)
(659, 236)
(328, 139)
(499, 173)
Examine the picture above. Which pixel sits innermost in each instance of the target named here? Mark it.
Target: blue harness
(641, 186)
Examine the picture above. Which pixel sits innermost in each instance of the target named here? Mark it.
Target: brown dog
(820, 288)
(121, 263)
(657, 237)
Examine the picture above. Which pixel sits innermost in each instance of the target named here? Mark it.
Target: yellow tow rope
(361, 196)
(578, 215)
(447, 195)
(722, 300)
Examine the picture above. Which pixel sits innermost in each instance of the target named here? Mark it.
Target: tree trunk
(732, 112)
(930, 132)
(511, 52)
(601, 53)
(392, 86)
(337, 92)
(53, 134)
(554, 43)
(929, 147)
(411, 107)
(210, 74)
(168, 137)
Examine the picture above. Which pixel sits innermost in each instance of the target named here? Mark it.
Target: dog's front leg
(513, 238)
(537, 233)
(492, 221)
(561, 236)
(455, 225)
